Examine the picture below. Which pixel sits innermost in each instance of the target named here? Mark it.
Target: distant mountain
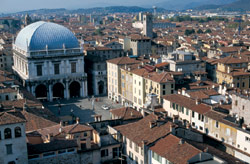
(190, 4)
(111, 9)
(117, 9)
(239, 5)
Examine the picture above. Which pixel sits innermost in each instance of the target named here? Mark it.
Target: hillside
(111, 9)
(191, 4)
(239, 5)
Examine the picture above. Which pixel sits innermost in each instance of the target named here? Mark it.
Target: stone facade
(17, 147)
(49, 76)
(96, 68)
(240, 107)
(49, 67)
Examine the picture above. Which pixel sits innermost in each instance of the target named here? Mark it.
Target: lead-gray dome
(38, 35)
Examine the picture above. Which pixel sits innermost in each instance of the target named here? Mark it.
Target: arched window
(18, 132)
(7, 133)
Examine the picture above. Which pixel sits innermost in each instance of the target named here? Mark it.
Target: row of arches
(58, 90)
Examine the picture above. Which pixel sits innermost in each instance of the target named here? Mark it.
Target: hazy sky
(21, 5)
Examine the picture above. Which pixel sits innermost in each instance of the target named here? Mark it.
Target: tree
(208, 31)
(6, 22)
(199, 31)
(189, 32)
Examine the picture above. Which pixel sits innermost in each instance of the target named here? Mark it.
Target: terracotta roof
(174, 151)
(9, 118)
(7, 90)
(230, 49)
(203, 94)
(162, 77)
(140, 131)
(139, 37)
(188, 103)
(161, 65)
(35, 122)
(220, 117)
(202, 85)
(212, 150)
(69, 129)
(126, 113)
(123, 61)
(5, 78)
(231, 60)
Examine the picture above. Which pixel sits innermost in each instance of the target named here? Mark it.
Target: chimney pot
(77, 120)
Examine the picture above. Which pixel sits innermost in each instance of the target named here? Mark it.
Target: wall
(243, 140)
(19, 146)
(223, 133)
(139, 92)
(133, 151)
(238, 109)
(64, 158)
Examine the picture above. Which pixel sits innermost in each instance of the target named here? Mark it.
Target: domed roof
(38, 35)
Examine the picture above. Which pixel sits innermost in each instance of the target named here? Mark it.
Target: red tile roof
(188, 103)
(8, 118)
(126, 113)
(170, 148)
(141, 131)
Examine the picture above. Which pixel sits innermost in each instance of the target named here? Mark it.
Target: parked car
(105, 107)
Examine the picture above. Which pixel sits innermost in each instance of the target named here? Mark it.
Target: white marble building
(49, 61)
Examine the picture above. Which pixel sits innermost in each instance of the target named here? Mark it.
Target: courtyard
(82, 108)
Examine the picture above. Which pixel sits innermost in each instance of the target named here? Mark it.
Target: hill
(191, 4)
(239, 5)
(111, 9)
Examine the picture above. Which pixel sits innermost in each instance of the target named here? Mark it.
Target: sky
(8, 6)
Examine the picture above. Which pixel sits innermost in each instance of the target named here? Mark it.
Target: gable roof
(188, 103)
(170, 148)
(8, 118)
(126, 113)
(141, 131)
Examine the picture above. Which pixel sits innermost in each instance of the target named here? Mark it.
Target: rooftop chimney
(181, 141)
(61, 123)
(183, 91)
(50, 137)
(77, 120)
(244, 126)
(197, 101)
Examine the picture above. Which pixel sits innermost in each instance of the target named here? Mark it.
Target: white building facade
(13, 145)
(49, 61)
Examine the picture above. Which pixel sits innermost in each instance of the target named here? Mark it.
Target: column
(82, 89)
(86, 89)
(33, 90)
(67, 90)
(50, 93)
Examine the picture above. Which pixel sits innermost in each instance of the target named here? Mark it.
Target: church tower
(27, 20)
(148, 25)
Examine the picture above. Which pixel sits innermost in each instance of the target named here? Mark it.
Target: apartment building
(140, 45)
(114, 76)
(160, 84)
(186, 109)
(232, 71)
(138, 136)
